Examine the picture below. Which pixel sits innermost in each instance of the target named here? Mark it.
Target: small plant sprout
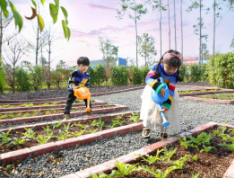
(47, 129)
(101, 175)
(230, 147)
(98, 123)
(79, 125)
(77, 134)
(42, 139)
(63, 135)
(125, 169)
(168, 154)
(151, 159)
(93, 131)
(29, 133)
(17, 141)
(66, 127)
(208, 148)
(195, 157)
(56, 125)
(195, 175)
(5, 137)
(116, 123)
(180, 163)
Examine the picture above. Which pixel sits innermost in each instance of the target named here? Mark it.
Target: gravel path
(193, 113)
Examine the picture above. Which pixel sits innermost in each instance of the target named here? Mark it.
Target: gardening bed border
(117, 107)
(97, 102)
(207, 93)
(64, 98)
(195, 98)
(68, 143)
(150, 149)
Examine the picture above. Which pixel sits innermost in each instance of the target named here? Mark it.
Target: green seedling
(216, 132)
(29, 133)
(168, 154)
(66, 127)
(203, 138)
(134, 118)
(151, 159)
(56, 125)
(79, 125)
(42, 139)
(223, 128)
(184, 142)
(208, 148)
(47, 129)
(98, 123)
(195, 157)
(116, 123)
(125, 169)
(93, 131)
(4, 116)
(180, 163)
(101, 175)
(231, 130)
(78, 134)
(17, 141)
(230, 147)
(5, 136)
(195, 175)
(63, 135)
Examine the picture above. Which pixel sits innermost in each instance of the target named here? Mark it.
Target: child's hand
(162, 92)
(164, 109)
(74, 88)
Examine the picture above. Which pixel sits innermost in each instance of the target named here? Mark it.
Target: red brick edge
(68, 143)
(209, 100)
(206, 93)
(131, 157)
(48, 107)
(60, 115)
(64, 98)
(194, 86)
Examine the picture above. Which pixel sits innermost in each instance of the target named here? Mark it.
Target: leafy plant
(195, 175)
(17, 141)
(98, 123)
(207, 149)
(203, 138)
(79, 125)
(183, 142)
(63, 135)
(168, 154)
(180, 163)
(66, 127)
(56, 125)
(230, 147)
(116, 123)
(29, 133)
(125, 169)
(42, 139)
(195, 157)
(47, 129)
(77, 134)
(151, 159)
(5, 137)
(93, 131)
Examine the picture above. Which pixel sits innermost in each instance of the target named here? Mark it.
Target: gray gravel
(193, 113)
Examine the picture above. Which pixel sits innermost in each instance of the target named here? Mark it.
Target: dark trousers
(70, 100)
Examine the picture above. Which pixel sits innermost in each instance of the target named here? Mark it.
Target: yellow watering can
(83, 93)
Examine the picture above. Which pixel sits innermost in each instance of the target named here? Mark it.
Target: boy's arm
(71, 82)
(87, 83)
(151, 80)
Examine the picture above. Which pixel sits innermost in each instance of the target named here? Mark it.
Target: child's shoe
(66, 117)
(163, 135)
(146, 133)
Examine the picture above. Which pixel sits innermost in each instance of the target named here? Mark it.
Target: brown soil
(31, 142)
(209, 165)
(195, 83)
(44, 94)
(219, 96)
(18, 114)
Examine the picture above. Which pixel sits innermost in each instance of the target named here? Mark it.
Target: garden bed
(79, 129)
(206, 151)
(46, 111)
(43, 105)
(203, 92)
(59, 131)
(227, 98)
(24, 97)
(102, 109)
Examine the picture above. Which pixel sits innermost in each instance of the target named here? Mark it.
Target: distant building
(119, 62)
(194, 60)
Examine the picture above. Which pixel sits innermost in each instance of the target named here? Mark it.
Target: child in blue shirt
(78, 78)
(168, 69)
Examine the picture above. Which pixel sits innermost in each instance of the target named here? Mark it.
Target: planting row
(202, 152)
(10, 141)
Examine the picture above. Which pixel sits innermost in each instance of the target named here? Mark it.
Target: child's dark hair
(83, 60)
(174, 62)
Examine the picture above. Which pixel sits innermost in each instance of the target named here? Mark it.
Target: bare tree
(13, 52)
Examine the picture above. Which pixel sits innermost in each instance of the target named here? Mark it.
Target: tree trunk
(1, 33)
(136, 36)
(214, 28)
(160, 27)
(181, 30)
(175, 24)
(38, 33)
(145, 59)
(169, 25)
(200, 34)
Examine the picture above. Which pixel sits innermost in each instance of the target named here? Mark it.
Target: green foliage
(144, 72)
(77, 134)
(182, 71)
(195, 175)
(223, 74)
(125, 169)
(229, 146)
(2, 77)
(208, 148)
(119, 75)
(195, 72)
(92, 76)
(17, 141)
(195, 157)
(152, 159)
(36, 76)
(116, 122)
(5, 137)
(79, 125)
(99, 74)
(98, 123)
(64, 135)
(29, 133)
(137, 76)
(22, 80)
(203, 73)
(168, 154)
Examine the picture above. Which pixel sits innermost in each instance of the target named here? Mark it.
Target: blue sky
(89, 19)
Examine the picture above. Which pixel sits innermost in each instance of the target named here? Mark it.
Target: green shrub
(119, 75)
(144, 72)
(92, 78)
(99, 74)
(36, 76)
(221, 70)
(22, 80)
(195, 72)
(137, 77)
